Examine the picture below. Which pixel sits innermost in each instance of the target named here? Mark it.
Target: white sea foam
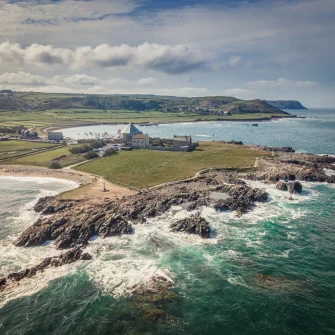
(329, 172)
(41, 180)
(14, 259)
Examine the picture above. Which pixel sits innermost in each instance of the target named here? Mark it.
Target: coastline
(275, 118)
(90, 187)
(35, 171)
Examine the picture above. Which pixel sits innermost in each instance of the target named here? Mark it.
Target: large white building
(140, 141)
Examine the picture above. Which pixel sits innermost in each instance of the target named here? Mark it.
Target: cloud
(49, 89)
(234, 60)
(240, 93)
(77, 79)
(178, 91)
(280, 83)
(146, 81)
(118, 81)
(22, 78)
(149, 56)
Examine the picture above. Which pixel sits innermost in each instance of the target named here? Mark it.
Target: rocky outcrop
(292, 187)
(150, 298)
(277, 149)
(195, 224)
(281, 185)
(242, 199)
(66, 258)
(74, 227)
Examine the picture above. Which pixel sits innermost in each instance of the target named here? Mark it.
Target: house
(140, 141)
(55, 136)
(29, 134)
(182, 142)
(128, 132)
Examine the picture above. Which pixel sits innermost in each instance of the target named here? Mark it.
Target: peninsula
(43, 110)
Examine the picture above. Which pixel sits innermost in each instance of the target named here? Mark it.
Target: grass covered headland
(145, 168)
(43, 109)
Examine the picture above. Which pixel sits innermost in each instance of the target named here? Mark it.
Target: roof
(131, 129)
(181, 138)
(55, 133)
(137, 136)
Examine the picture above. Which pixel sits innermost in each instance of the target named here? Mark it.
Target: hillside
(286, 104)
(34, 102)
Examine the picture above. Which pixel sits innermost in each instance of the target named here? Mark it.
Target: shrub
(94, 143)
(109, 152)
(80, 149)
(55, 165)
(91, 155)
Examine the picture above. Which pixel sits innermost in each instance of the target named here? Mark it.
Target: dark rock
(281, 185)
(70, 256)
(149, 299)
(277, 149)
(195, 224)
(41, 203)
(294, 187)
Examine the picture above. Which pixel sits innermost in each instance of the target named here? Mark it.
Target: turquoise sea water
(216, 280)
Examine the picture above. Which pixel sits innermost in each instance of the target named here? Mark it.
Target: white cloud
(146, 81)
(280, 83)
(118, 81)
(148, 56)
(77, 79)
(49, 89)
(234, 60)
(21, 78)
(240, 93)
(24, 78)
(178, 91)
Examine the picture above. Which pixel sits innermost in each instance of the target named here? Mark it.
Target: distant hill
(286, 104)
(30, 101)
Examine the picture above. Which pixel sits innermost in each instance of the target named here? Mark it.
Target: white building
(140, 141)
(55, 136)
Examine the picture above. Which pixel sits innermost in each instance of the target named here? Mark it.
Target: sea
(217, 281)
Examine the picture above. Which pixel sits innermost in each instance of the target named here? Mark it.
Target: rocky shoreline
(70, 224)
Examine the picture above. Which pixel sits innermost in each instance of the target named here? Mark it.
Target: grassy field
(18, 145)
(144, 168)
(45, 158)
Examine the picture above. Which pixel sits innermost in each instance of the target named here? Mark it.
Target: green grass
(44, 159)
(144, 168)
(18, 145)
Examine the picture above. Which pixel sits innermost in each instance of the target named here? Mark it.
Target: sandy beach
(91, 187)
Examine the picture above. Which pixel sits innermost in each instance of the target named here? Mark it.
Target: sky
(266, 49)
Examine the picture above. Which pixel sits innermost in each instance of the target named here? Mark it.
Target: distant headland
(286, 104)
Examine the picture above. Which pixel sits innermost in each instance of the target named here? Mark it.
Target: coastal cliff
(286, 104)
